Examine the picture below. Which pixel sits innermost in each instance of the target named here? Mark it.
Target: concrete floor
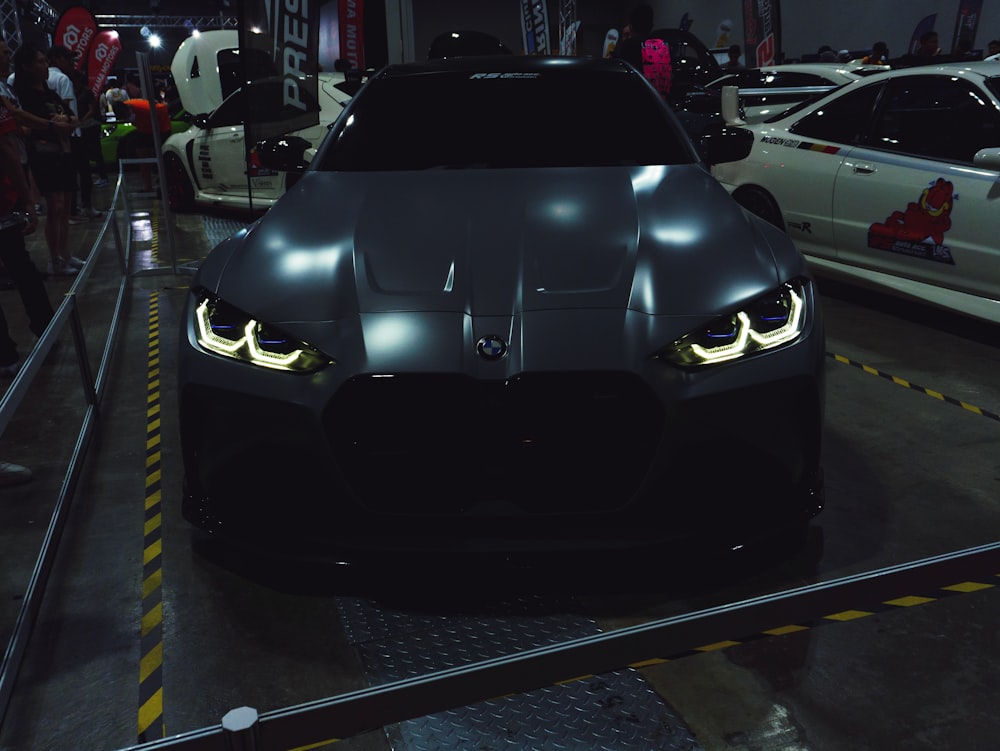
(912, 472)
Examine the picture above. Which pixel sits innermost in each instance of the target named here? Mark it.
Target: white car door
(910, 202)
(799, 159)
(219, 151)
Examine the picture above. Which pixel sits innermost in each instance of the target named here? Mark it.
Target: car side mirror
(201, 121)
(987, 159)
(724, 143)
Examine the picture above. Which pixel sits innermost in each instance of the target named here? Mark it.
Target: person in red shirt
(145, 145)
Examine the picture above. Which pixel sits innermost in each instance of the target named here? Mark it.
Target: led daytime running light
(267, 359)
(208, 338)
(729, 351)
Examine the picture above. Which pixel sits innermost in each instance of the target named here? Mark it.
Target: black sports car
(506, 307)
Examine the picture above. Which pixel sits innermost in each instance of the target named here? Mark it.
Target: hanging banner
(280, 41)
(535, 27)
(75, 30)
(761, 32)
(610, 42)
(569, 25)
(104, 51)
(926, 24)
(352, 32)
(966, 24)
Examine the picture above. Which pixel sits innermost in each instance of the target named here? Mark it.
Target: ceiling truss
(123, 21)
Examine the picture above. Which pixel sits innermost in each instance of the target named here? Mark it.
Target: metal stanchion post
(241, 728)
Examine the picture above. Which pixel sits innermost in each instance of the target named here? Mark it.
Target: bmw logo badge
(491, 347)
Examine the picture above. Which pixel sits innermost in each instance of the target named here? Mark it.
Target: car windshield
(464, 119)
(993, 84)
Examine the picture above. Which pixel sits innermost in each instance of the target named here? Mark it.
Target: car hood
(657, 240)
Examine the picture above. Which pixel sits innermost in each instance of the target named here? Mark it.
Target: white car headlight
(770, 321)
(225, 330)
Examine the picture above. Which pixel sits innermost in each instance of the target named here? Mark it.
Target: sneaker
(100, 183)
(92, 213)
(13, 474)
(9, 371)
(62, 267)
(76, 262)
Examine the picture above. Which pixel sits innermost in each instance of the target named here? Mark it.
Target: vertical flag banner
(535, 27)
(279, 40)
(761, 32)
(966, 24)
(75, 30)
(610, 42)
(104, 51)
(926, 24)
(569, 25)
(352, 32)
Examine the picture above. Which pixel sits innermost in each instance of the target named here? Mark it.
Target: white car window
(938, 117)
(843, 120)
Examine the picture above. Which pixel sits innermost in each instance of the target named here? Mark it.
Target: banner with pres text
(761, 32)
(351, 18)
(76, 30)
(101, 57)
(279, 40)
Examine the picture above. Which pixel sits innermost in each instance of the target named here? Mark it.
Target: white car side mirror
(988, 159)
(731, 106)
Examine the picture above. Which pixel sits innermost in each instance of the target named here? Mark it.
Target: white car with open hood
(208, 165)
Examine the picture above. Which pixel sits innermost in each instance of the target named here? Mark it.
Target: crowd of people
(50, 134)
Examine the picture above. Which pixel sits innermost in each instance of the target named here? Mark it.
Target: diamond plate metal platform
(613, 712)
(218, 229)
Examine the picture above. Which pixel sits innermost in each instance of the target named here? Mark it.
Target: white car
(892, 181)
(769, 91)
(207, 165)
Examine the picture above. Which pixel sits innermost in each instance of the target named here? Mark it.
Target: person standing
(878, 56)
(49, 156)
(61, 81)
(928, 45)
(733, 63)
(640, 23)
(17, 219)
(91, 119)
(145, 143)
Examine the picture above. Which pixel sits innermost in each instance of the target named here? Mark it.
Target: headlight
(225, 330)
(768, 322)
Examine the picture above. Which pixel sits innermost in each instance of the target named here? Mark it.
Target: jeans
(30, 286)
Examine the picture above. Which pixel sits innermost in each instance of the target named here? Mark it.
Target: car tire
(180, 191)
(758, 201)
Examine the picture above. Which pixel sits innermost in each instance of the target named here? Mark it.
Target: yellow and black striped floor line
(899, 603)
(907, 384)
(151, 649)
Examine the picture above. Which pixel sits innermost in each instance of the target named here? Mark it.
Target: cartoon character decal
(919, 230)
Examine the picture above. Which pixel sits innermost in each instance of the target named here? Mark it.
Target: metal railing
(94, 387)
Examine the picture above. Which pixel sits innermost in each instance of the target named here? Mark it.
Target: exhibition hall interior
(518, 374)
